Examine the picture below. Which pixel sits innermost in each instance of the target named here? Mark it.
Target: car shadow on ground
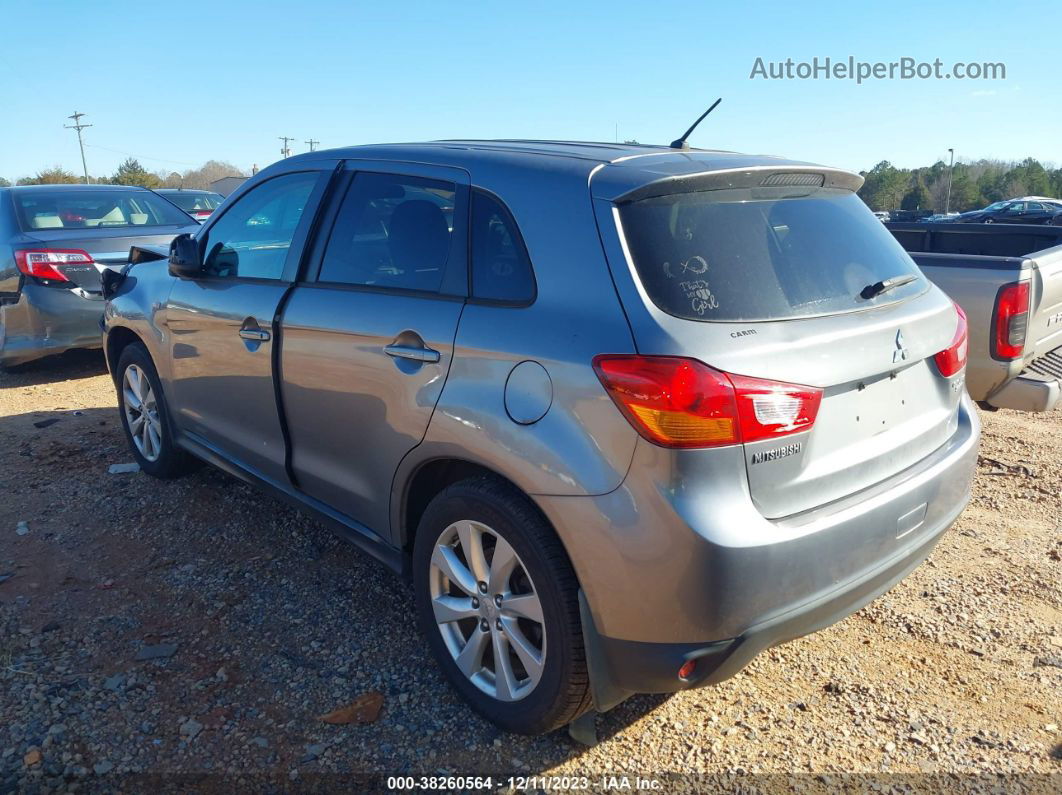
(267, 621)
(63, 367)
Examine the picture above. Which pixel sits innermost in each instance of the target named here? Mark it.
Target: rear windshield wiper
(876, 289)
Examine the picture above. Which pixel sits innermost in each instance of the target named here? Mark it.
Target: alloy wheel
(487, 610)
(141, 413)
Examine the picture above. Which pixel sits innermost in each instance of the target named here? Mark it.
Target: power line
(312, 143)
(77, 125)
(140, 157)
(285, 152)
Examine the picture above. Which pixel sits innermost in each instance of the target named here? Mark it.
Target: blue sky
(178, 83)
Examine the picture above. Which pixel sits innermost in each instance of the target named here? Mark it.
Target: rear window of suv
(763, 253)
(92, 209)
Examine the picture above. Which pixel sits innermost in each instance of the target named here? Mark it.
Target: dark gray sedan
(55, 241)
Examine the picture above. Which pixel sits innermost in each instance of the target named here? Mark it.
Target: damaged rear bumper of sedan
(46, 320)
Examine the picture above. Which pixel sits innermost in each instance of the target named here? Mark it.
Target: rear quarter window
(501, 268)
(763, 253)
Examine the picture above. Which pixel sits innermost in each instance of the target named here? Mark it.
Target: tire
(491, 510)
(156, 451)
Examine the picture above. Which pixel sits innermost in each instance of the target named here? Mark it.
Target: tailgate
(785, 285)
(884, 407)
(1045, 318)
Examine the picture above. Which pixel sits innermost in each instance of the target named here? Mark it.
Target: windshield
(764, 253)
(995, 206)
(92, 209)
(191, 202)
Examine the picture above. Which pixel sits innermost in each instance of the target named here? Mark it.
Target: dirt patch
(273, 622)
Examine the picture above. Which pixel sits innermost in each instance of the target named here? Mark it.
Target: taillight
(679, 402)
(1012, 321)
(953, 358)
(46, 263)
(200, 215)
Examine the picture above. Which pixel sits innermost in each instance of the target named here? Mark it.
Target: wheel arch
(118, 339)
(431, 476)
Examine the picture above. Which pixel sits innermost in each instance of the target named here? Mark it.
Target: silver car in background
(625, 415)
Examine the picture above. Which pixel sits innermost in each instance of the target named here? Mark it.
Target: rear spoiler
(111, 279)
(749, 177)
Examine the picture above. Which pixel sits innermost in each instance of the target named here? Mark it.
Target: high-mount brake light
(678, 402)
(46, 263)
(953, 358)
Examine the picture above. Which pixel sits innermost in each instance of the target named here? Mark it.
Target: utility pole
(312, 143)
(77, 125)
(951, 165)
(285, 152)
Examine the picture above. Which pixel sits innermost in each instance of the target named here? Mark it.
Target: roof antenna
(680, 143)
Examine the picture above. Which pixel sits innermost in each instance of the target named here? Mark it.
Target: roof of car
(76, 186)
(590, 151)
(623, 167)
(183, 190)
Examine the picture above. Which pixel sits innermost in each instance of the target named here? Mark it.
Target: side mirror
(185, 261)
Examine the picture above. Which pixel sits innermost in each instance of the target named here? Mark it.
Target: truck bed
(972, 263)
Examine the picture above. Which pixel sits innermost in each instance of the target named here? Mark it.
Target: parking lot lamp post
(951, 165)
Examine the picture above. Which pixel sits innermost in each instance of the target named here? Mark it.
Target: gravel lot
(261, 621)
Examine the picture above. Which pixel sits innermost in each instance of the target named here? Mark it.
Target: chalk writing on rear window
(695, 265)
(700, 296)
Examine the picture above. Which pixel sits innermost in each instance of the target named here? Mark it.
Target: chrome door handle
(255, 334)
(412, 352)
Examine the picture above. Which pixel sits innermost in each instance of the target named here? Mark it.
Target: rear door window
(763, 253)
(392, 232)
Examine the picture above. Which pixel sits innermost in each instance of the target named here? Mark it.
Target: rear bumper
(633, 667)
(48, 320)
(1039, 388)
(670, 576)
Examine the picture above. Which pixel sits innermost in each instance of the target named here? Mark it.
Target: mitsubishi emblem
(900, 354)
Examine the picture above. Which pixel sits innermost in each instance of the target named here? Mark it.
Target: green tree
(132, 173)
(917, 198)
(1056, 182)
(885, 186)
(4, 183)
(56, 175)
(964, 193)
(1033, 176)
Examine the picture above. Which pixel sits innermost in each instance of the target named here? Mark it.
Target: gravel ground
(199, 628)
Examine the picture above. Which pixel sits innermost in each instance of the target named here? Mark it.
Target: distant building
(227, 185)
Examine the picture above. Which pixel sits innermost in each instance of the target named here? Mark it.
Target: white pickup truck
(1008, 280)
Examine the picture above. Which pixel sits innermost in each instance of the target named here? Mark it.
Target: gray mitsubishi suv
(625, 416)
